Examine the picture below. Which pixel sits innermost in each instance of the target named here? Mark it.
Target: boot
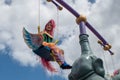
(65, 66)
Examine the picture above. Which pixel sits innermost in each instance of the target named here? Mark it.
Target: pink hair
(53, 26)
(47, 65)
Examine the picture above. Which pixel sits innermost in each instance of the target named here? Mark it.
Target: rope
(113, 62)
(105, 63)
(38, 12)
(38, 16)
(106, 66)
(57, 22)
(61, 72)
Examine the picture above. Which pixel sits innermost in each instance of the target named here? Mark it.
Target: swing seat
(44, 52)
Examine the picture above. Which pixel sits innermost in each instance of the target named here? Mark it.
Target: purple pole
(68, 8)
(87, 24)
(96, 33)
(82, 28)
(55, 4)
(108, 50)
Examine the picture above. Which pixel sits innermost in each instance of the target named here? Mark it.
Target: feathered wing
(34, 41)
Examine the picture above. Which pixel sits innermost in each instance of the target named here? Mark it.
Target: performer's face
(49, 27)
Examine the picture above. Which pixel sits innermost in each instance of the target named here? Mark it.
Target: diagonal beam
(77, 15)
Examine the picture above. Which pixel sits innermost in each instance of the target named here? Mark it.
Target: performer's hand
(48, 44)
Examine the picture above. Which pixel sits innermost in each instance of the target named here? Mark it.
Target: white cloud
(2, 46)
(103, 15)
(25, 58)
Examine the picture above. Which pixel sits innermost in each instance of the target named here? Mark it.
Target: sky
(18, 62)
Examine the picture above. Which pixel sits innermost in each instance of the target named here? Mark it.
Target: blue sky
(17, 62)
(8, 2)
(92, 1)
(12, 70)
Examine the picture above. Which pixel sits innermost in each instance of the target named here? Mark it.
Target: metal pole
(82, 28)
